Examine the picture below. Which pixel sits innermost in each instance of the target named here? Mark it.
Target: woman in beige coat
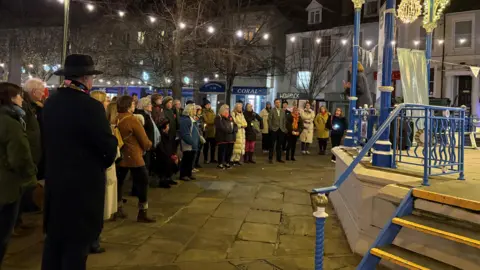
(239, 146)
(306, 138)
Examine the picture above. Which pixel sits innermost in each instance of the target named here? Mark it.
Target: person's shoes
(270, 161)
(198, 166)
(120, 214)
(192, 178)
(195, 170)
(228, 166)
(333, 161)
(303, 152)
(144, 218)
(221, 167)
(171, 182)
(207, 162)
(307, 152)
(237, 163)
(184, 178)
(293, 159)
(213, 161)
(97, 250)
(163, 184)
(280, 161)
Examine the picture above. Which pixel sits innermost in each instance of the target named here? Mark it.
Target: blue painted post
(319, 202)
(350, 139)
(461, 148)
(382, 154)
(429, 28)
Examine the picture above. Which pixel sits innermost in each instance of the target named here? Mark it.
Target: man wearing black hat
(80, 146)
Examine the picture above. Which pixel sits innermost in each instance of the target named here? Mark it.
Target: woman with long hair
(306, 137)
(251, 132)
(337, 124)
(295, 127)
(323, 132)
(239, 146)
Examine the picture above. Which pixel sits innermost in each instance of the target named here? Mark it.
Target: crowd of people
(85, 146)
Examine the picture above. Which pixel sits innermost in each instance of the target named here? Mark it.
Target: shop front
(214, 92)
(257, 96)
(299, 99)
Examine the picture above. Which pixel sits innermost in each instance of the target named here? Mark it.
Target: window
(303, 79)
(431, 83)
(141, 37)
(371, 8)
(325, 46)
(463, 34)
(312, 17)
(315, 16)
(306, 47)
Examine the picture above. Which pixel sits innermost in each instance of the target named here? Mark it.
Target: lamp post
(350, 139)
(66, 20)
(382, 154)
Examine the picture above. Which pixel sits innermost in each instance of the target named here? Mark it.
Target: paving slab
(267, 204)
(189, 219)
(266, 217)
(246, 249)
(202, 206)
(297, 197)
(222, 226)
(295, 244)
(298, 225)
(128, 234)
(258, 232)
(147, 255)
(176, 232)
(211, 241)
(232, 210)
(291, 209)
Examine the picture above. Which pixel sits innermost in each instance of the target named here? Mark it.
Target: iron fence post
(319, 203)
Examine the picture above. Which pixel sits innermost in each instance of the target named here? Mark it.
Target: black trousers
(211, 144)
(65, 254)
(291, 145)
(322, 144)
(265, 141)
(225, 151)
(277, 140)
(8, 217)
(186, 164)
(140, 181)
(284, 142)
(197, 155)
(336, 140)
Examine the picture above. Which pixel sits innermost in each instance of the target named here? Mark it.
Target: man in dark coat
(79, 148)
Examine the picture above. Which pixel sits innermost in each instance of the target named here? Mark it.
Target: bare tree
(315, 58)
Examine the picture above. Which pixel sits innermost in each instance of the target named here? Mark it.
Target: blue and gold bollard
(319, 203)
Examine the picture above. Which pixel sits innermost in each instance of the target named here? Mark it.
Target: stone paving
(253, 217)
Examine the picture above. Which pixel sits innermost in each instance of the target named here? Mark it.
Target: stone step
(462, 194)
(434, 227)
(409, 260)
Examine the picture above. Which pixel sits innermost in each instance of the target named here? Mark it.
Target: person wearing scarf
(265, 132)
(294, 128)
(323, 131)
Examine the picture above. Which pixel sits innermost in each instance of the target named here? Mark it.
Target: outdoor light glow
(132, 82)
(169, 81)
(393, 42)
(59, 66)
(211, 30)
(60, 1)
(182, 25)
(139, 82)
(2, 65)
(318, 40)
(292, 39)
(101, 80)
(239, 33)
(216, 76)
(266, 36)
(109, 82)
(462, 40)
(416, 42)
(118, 82)
(368, 42)
(344, 42)
(205, 80)
(30, 76)
(30, 65)
(441, 41)
(90, 7)
(121, 13)
(152, 19)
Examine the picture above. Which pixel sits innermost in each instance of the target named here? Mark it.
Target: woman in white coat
(306, 138)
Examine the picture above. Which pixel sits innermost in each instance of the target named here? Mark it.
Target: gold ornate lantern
(437, 10)
(409, 10)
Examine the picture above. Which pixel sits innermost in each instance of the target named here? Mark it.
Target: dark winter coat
(289, 124)
(225, 129)
(250, 117)
(32, 118)
(164, 165)
(16, 164)
(148, 126)
(338, 125)
(79, 148)
(172, 117)
(157, 114)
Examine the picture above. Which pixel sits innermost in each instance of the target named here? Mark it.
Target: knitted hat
(205, 102)
(166, 100)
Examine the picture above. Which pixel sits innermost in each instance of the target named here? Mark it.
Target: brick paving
(254, 217)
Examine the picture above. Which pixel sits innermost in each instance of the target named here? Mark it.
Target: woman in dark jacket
(201, 128)
(294, 125)
(337, 124)
(251, 132)
(16, 164)
(225, 129)
(166, 161)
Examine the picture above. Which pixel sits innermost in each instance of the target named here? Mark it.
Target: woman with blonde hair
(110, 206)
(362, 93)
(323, 133)
(306, 137)
(239, 146)
(190, 141)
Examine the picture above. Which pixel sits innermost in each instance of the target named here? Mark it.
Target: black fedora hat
(77, 65)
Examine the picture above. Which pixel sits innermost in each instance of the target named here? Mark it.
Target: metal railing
(443, 139)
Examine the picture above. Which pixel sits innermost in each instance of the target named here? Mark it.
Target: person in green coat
(16, 164)
(209, 122)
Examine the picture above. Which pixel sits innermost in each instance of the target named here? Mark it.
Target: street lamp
(205, 80)
(90, 7)
(368, 43)
(318, 40)
(239, 33)
(292, 39)
(266, 36)
(121, 13)
(152, 19)
(182, 25)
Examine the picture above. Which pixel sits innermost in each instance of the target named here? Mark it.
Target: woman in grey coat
(363, 92)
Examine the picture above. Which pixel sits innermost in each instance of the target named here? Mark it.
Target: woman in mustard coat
(322, 130)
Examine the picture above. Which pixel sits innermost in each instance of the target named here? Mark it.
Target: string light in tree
(368, 43)
(216, 76)
(409, 10)
(441, 41)
(60, 1)
(416, 42)
(30, 65)
(2, 65)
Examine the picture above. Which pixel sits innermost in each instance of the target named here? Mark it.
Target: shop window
(463, 34)
(141, 37)
(303, 79)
